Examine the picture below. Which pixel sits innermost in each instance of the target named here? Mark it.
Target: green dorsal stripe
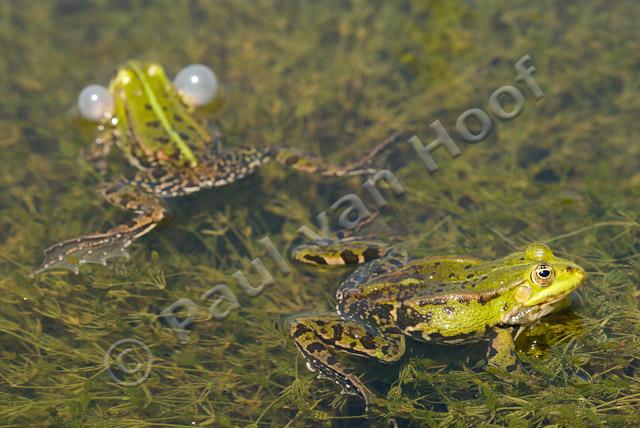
(155, 105)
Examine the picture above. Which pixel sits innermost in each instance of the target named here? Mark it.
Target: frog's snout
(576, 272)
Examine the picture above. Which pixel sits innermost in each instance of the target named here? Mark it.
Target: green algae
(331, 78)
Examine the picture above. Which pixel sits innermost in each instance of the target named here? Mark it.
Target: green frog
(445, 300)
(174, 155)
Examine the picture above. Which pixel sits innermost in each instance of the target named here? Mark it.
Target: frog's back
(428, 276)
(153, 124)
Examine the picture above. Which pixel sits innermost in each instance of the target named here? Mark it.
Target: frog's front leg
(100, 247)
(98, 152)
(501, 355)
(318, 337)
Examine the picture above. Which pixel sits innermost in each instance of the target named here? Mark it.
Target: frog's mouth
(529, 314)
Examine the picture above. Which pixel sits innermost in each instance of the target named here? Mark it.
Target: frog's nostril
(569, 268)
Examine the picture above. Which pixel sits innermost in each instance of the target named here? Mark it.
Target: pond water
(333, 79)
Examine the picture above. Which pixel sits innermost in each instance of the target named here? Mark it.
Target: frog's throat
(155, 105)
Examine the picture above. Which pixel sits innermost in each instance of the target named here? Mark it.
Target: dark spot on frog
(348, 257)
(158, 173)
(337, 332)
(184, 136)
(177, 118)
(153, 124)
(468, 266)
(383, 311)
(370, 254)
(147, 106)
(484, 299)
(162, 140)
(331, 360)
(491, 352)
(505, 306)
(547, 176)
(300, 330)
(436, 264)
(367, 342)
(408, 316)
(470, 276)
(292, 160)
(316, 259)
(451, 275)
(426, 318)
(448, 310)
(315, 347)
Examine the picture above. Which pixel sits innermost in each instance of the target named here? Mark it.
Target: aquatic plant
(329, 78)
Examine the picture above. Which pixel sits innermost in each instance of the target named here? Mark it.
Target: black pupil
(544, 273)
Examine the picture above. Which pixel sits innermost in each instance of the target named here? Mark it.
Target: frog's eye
(543, 275)
(197, 84)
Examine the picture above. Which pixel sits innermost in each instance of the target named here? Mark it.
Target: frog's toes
(74, 253)
(508, 372)
(505, 366)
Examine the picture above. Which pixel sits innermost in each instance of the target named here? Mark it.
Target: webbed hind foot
(96, 248)
(101, 247)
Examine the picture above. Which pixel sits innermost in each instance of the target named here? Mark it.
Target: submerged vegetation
(332, 79)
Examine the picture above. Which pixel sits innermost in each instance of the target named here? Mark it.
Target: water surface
(332, 78)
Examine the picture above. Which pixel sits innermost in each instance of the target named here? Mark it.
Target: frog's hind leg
(319, 337)
(312, 164)
(100, 247)
(339, 252)
(347, 247)
(377, 256)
